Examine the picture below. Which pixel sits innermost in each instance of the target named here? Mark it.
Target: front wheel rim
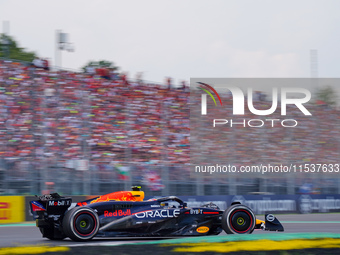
(241, 221)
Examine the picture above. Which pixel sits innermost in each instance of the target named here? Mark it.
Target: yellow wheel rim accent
(83, 224)
(240, 221)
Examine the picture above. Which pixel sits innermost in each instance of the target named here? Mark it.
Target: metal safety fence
(23, 176)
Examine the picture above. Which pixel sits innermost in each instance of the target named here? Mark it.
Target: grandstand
(90, 135)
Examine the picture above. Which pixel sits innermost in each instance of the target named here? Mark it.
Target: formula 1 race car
(125, 213)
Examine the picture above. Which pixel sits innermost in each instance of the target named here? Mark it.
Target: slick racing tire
(238, 219)
(81, 224)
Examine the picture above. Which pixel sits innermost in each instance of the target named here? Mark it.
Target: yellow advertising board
(12, 209)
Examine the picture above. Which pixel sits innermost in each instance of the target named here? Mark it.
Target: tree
(9, 49)
(327, 95)
(100, 64)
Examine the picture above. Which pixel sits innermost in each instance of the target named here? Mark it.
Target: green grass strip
(18, 225)
(231, 238)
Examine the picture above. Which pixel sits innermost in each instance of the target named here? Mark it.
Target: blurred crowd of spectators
(66, 116)
(314, 139)
(62, 116)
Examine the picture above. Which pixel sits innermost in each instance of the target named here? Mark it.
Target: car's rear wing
(52, 204)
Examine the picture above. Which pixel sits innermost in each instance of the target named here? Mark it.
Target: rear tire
(81, 224)
(238, 219)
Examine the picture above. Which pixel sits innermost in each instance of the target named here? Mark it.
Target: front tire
(81, 224)
(238, 219)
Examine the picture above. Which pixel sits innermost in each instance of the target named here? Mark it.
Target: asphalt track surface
(28, 234)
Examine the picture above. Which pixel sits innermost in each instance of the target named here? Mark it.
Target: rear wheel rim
(85, 224)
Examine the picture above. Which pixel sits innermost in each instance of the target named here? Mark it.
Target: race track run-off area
(304, 234)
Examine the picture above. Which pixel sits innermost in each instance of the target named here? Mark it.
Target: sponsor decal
(58, 203)
(4, 205)
(117, 213)
(270, 217)
(158, 213)
(196, 211)
(200, 211)
(5, 214)
(12, 209)
(36, 206)
(202, 229)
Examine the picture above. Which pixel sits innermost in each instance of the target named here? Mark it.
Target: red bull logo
(117, 213)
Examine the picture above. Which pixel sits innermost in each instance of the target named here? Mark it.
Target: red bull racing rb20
(127, 214)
